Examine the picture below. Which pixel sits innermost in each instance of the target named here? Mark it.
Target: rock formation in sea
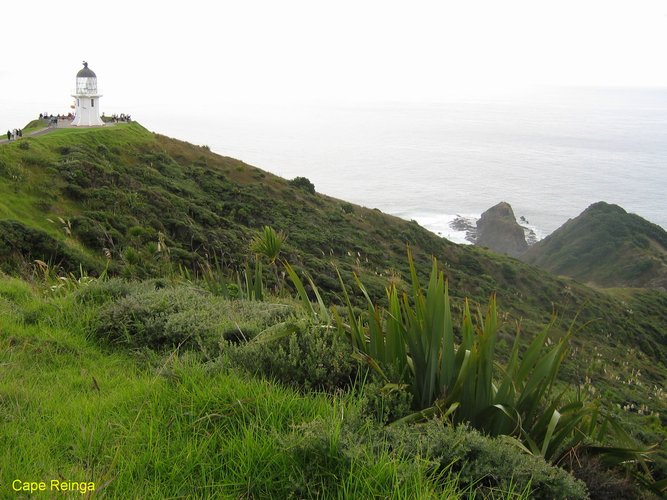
(498, 230)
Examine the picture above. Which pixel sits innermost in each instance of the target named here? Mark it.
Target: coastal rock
(498, 230)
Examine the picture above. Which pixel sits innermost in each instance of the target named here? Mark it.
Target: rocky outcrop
(499, 231)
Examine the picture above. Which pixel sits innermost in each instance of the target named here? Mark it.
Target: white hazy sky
(193, 54)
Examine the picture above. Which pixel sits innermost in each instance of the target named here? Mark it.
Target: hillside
(147, 205)
(109, 196)
(162, 213)
(605, 246)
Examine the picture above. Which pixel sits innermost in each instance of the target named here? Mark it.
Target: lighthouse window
(92, 103)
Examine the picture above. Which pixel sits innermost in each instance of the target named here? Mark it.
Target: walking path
(41, 131)
(46, 130)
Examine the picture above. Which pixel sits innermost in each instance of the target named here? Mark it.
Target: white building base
(86, 113)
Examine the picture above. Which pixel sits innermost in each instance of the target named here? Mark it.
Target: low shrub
(483, 463)
(164, 318)
(101, 292)
(333, 457)
(313, 358)
(386, 404)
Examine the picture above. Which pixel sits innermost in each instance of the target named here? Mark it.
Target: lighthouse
(87, 104)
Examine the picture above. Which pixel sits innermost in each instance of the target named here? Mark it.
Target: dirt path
(45, 130)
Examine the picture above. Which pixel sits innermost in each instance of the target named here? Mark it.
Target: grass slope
(83, 196)
(170, 427)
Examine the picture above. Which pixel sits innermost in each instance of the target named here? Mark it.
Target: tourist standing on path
(9, 135)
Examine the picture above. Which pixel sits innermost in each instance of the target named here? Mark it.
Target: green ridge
(606, 246)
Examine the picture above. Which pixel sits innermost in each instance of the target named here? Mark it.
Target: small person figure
(9, 135)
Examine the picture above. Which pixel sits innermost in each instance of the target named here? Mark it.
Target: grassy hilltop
(605, 246)
(166, 216)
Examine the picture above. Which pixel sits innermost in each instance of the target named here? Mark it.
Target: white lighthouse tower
(87, 107)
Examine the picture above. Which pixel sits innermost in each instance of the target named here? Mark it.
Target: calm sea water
(549, 154)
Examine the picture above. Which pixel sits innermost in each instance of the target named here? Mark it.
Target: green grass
(168, 426)
(35, 125)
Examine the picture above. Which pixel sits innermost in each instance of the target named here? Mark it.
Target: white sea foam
(537, 233)
(442, 225)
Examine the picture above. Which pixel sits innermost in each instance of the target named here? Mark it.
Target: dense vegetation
(80, 403)
(180, 225)
(143, 205)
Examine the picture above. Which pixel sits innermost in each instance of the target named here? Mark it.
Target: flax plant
(268, 243)
(413, 344)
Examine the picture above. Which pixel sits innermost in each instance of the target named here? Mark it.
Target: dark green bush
(484, 463)
(89, 231)
(303, 183)
(314, 358)
(75, 193)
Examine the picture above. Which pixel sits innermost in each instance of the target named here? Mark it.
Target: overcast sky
(190, 54)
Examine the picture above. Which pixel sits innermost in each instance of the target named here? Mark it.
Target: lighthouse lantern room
(87, 99)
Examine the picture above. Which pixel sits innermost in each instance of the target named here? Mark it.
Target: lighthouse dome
(86, 72)
(86, 81)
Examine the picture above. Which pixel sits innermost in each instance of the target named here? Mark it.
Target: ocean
(550, 153)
